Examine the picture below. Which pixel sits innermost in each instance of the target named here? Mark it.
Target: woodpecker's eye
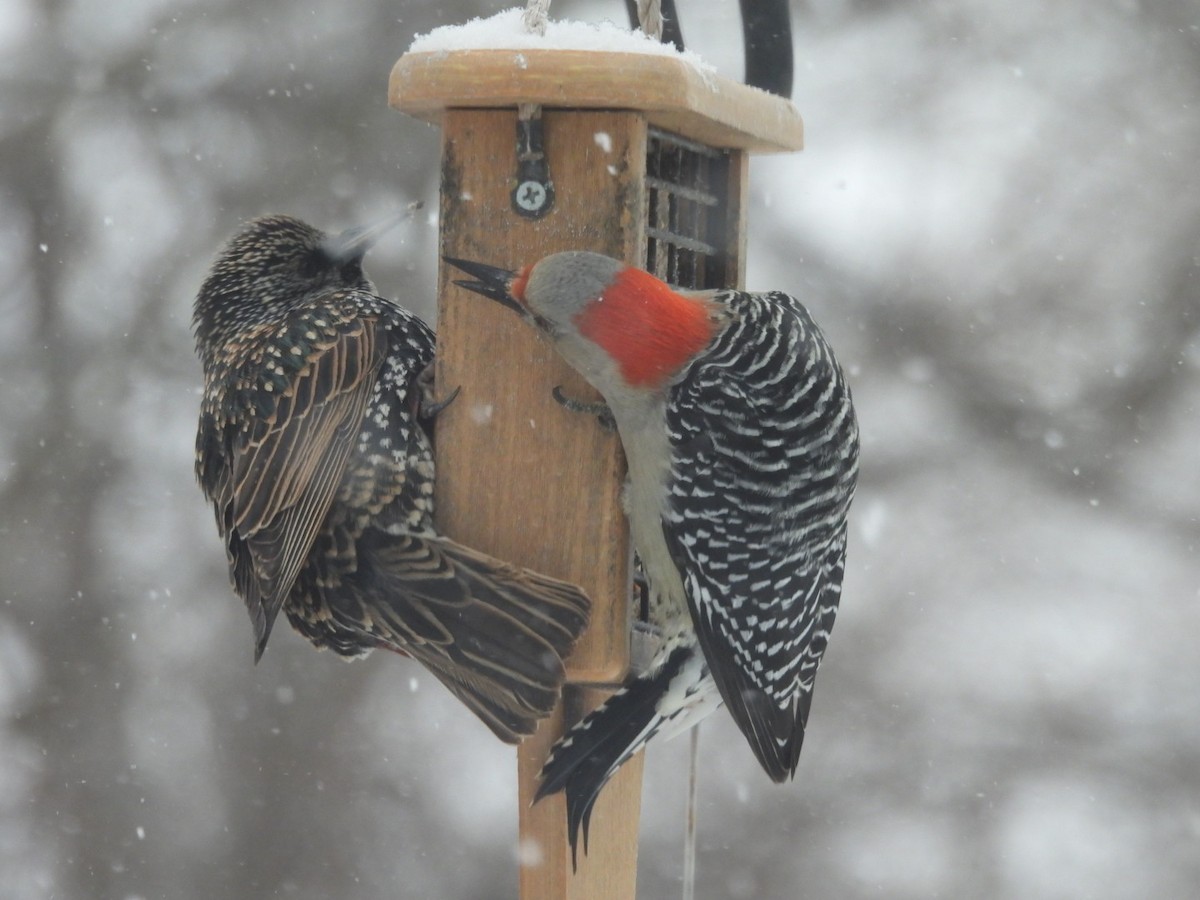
(312, 263)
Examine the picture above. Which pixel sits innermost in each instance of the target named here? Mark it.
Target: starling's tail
(673, 699)
(494, 634)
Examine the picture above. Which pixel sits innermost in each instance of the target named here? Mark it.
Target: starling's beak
(493, 283)
(353, 243)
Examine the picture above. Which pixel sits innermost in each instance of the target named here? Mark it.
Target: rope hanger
(649, 16)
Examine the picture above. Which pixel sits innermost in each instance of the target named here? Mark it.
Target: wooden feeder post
(648, 159)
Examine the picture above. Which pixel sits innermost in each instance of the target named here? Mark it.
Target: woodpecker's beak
(493, 282)
(353, 243)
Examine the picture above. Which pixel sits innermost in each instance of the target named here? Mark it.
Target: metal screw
(530, 195)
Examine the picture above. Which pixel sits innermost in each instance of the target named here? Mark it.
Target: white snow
(505, 31)
(530, 853)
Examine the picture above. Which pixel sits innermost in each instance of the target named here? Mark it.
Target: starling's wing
(286, 467)
(764, 461)
(215, 476)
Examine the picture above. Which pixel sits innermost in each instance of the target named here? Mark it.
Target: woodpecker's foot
(600, 410)
(641, 597)
(429, 407)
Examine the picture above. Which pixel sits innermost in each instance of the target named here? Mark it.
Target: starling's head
(272, 265)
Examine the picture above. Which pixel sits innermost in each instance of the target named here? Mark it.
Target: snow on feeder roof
(506, 31)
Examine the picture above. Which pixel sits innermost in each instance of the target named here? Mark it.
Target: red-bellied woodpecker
(742, 447)
(316, 452)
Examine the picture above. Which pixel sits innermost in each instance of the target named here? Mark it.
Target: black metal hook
(533, 195)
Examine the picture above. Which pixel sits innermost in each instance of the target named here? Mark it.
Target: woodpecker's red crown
(648, 329)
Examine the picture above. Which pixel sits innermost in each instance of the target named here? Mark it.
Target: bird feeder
(641, 157)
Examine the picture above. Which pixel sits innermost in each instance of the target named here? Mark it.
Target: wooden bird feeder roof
(673, 94)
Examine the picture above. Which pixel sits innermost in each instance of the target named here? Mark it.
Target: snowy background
(998, 221)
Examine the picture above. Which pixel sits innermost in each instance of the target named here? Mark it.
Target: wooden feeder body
(648, 159)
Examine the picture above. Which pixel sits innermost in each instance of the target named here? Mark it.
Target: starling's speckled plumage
(314, 452)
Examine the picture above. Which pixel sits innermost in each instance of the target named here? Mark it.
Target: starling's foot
(600, 410)
(429, 407)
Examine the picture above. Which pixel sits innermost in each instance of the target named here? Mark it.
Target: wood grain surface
(518, 475)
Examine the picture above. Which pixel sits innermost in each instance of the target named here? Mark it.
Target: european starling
(315, 450)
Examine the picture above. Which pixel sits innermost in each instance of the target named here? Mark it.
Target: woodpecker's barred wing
(764, 461)
(285, 465)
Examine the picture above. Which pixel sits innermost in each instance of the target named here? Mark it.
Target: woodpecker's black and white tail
(667, 702)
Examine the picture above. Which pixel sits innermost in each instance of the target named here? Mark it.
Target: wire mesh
(686, 189)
